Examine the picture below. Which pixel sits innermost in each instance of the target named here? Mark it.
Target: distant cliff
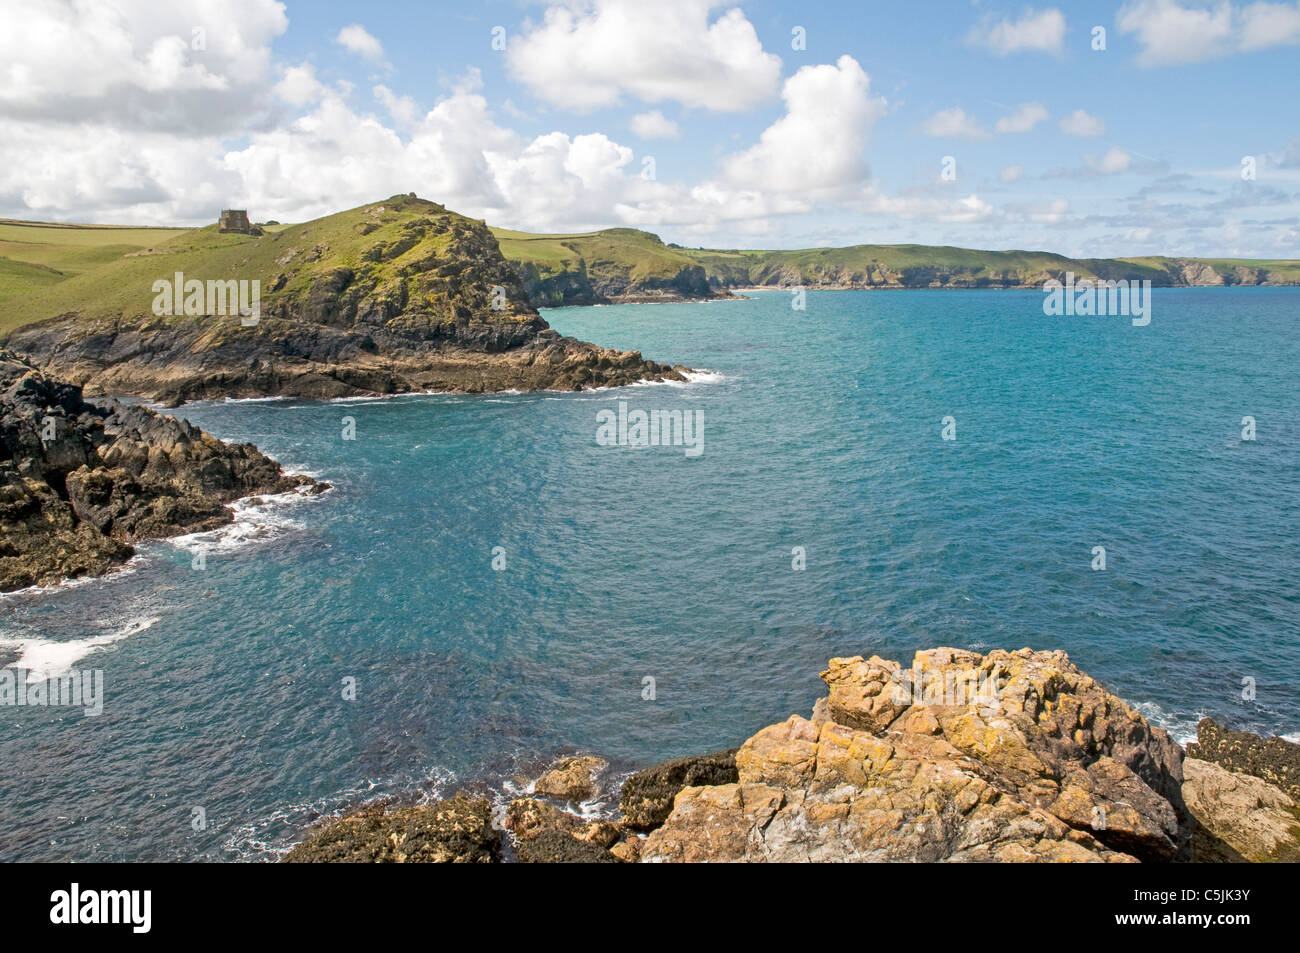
(616, 265)
(623, 264)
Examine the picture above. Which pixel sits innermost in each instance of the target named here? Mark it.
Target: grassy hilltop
(616, 264)
(392, 296)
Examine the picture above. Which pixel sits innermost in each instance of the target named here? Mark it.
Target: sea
(493, 581)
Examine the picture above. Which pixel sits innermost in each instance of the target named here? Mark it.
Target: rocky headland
(398, 296)
(1005, 757)
(618, 265)
(80, 481)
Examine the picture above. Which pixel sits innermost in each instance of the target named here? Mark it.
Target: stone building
(236, 220)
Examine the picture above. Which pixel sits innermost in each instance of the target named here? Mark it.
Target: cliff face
(612, 266)
(617, 265)
(397, 296)
(79, 482)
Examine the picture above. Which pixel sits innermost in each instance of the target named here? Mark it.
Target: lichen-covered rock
(81, 481)
(572, 779)
(1010, 756)
(647, 796)
(1239, 818)
(527, 817)
(1274, 760)
(457, 830)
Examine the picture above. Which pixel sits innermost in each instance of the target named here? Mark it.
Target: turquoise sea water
(822, 430)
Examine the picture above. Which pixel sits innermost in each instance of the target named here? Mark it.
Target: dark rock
(556, 847)
(454, 831)
(647, 797)
(1274, 760)
(81, 481)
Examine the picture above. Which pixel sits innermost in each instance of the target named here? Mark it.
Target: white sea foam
(256, 519)
(46, 658)
(1181, 729)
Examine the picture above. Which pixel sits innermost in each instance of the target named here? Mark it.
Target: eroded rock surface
(457, 830)
(1010, 756)
(1239, 818)
(647, 797)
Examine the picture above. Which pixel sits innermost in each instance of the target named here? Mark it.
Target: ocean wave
(256, 519)
(46, 658)
(1182, 728)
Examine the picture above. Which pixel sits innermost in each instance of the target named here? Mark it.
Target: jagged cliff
(400, 295)
(81, 481)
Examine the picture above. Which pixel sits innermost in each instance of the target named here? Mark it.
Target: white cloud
(1172, 32)
(358, 40)
(1115, 160)
(133, 63)
(953, 124)
(589, 53)
(1012, 173)
(965, 210)
(1040, 31)
(818, 143)
(1026, 116)
(654, 125)
(402, 108)
(1080, 123)
(299, 86)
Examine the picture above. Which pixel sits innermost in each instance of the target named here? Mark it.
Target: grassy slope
(596, 265)
(299, 254)
(35, 255)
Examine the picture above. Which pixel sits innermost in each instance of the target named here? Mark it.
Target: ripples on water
(822, 431)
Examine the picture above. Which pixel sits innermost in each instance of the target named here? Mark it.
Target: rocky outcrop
(573, 779)
(1010, 756)
(81, 481)
(647, 797)
(1005, 757)
(1239, 818)
(454, 831)
(1274, 760)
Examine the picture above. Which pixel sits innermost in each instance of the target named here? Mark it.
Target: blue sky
(984, 124)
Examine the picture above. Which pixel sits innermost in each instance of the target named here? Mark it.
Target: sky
(1087, 128)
